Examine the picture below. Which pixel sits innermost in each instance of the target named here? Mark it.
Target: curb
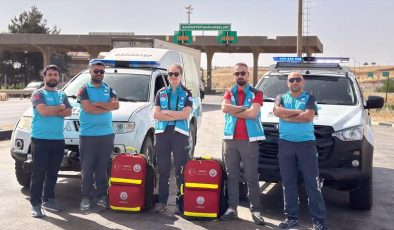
(5, 135)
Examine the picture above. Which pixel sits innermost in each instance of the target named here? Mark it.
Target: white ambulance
(344, 136)
(136, 74)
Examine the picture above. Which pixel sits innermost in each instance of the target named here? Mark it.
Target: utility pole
(299, 34)
(189, 11)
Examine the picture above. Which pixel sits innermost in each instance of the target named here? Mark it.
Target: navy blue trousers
(47, 158)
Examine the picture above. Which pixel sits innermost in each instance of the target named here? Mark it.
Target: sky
(360, 29)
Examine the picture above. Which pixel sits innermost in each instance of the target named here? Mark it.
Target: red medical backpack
(131, 183)
(204, 194)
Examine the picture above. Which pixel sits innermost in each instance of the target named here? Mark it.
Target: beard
(96, 80)
(241, 82)
(52, 83)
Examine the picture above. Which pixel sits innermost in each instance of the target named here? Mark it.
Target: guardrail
(19, 92)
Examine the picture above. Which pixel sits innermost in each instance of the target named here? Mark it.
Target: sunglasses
(296, 79)
(242, 73)
(97, 71)
(175, 74)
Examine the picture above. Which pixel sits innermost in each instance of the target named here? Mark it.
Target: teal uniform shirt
(95, 124)
(296, 131)
(48, 127)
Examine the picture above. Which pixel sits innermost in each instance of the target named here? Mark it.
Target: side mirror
(374, 102)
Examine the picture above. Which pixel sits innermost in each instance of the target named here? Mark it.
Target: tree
(26, 66)
(31, 22)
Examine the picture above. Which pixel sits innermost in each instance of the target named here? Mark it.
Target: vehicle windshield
(128, 87)
(326, 89)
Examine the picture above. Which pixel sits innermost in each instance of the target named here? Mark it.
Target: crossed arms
(58, 110)
(294, 115)
(100, 107)
(240, 111)
(170, 115)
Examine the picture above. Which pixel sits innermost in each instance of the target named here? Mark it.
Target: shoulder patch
(36, 97)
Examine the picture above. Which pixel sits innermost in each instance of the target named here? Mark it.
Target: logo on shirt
(249, 100)
(182, 98)
(36, 97)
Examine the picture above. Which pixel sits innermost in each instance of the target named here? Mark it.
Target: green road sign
(370, 74)
(385, 74)
(226, 37)
(204, 26)
(183, 37)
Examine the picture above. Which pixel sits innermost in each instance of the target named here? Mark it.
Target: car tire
(361, 198)
(23, 178)
(192, 140)
(148, 150)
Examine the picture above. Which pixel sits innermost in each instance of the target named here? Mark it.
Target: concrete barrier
(19, 92)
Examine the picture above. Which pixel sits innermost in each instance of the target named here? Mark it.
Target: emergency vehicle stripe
(125, 181)
(200, 214)
(201, 185)
(125, 208)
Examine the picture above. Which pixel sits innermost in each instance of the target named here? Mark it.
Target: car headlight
(351, 134)
(123, 127)
(25, 123)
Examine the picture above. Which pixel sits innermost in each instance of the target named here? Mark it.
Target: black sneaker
(51, 205)
(257, 218)
(230, 214)
(288, 223)
(319, 225)
(36, 211)
(159, 207)
(103, 202)
(85, 204)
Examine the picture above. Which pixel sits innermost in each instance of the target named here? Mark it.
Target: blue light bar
(126, 64)
(311, 59)
(288, 59)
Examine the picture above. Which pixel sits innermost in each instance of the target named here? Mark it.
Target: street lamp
(189, 11)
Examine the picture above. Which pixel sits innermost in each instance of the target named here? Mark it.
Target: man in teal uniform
(297, 148)
(97, 101)
(50, 106)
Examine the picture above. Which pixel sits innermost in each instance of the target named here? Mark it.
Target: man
(297, 148)
(50, 106)
(96, 135)
(242, 131)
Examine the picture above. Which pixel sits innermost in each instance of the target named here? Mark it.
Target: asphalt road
(11, 110)
(15, 207)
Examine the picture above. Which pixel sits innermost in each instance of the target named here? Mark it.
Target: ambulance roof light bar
(126, 64)
(311, 59)
(310, 62)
